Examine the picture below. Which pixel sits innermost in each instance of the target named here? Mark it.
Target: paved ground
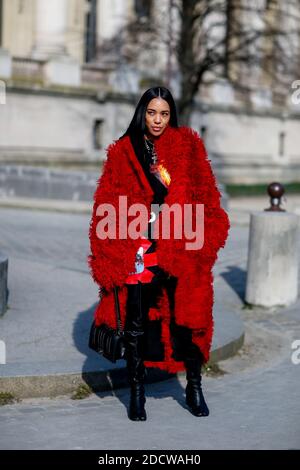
(254, 405)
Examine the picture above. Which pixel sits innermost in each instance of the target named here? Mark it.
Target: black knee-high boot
(136, 376)
(194, 395)
(134, 336)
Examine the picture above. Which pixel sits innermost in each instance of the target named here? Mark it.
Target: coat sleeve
(105, 260)
(205, 190)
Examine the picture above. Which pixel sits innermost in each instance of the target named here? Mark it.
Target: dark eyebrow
(164, 111)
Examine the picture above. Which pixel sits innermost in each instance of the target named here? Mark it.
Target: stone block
(63, 71)
(272, 271)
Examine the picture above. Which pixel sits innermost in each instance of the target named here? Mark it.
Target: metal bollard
(275, 191)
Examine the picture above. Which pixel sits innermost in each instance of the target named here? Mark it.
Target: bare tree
(249, 43)
(252, 44)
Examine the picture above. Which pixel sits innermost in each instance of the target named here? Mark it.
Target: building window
(281, 143)
(98, 134)
(143, 8)
(91, 31)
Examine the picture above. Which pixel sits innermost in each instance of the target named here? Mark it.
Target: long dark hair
(137, 126)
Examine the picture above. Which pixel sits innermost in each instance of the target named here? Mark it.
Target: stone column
(272, 272)
(51, 20)
(111, 16)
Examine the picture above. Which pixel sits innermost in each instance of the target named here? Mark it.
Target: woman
(161, 172)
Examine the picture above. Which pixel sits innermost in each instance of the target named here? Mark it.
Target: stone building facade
(71, 72)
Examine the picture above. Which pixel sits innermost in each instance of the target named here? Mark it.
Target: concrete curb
(58, 205)
(52, 385)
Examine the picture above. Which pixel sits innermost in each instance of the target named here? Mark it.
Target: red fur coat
(182, 152)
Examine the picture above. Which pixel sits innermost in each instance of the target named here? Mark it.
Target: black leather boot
(137, 411)
(194, 395)
(136, 376)
(134, 336)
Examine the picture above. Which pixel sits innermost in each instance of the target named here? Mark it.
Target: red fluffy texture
(182, 152)
(112, 259)
(154, 314)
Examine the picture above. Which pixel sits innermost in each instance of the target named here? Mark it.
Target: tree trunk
(186, 60)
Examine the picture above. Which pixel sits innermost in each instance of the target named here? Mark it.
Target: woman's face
(157, 117)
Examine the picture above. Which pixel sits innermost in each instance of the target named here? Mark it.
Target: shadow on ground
(236, 278)
(105, 378)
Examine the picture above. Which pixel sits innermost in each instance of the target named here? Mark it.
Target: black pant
(141, 297)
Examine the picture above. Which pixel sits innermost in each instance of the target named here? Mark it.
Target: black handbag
(107, 341)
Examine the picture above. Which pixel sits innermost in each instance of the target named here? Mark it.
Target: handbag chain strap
(117, 306)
